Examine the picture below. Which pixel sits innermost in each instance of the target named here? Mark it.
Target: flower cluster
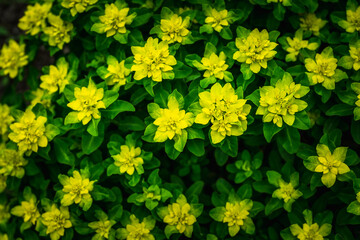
(34, 19)
(12, 58)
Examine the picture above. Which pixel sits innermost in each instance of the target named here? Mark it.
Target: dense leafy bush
(181, 119)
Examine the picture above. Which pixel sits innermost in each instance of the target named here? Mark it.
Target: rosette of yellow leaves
(352, 61)
(136, 229)
(310, 22)
(27, 209)
(57, 78)
(34, 19)
(352, 22)
(77, 6)
(56, 220)
(12, 58)
(5, 119)
(58, 32)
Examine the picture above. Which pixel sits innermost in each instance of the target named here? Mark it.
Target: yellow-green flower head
(128, 159)
(327, 163)
(308, 231)
(29, 132)
(4, 213)
(171, 121)
(217, 19)
(102, 228)
(214, 65)
(323, 69)
(27, 210)
(77, 6)
(286, 191)
(56, 220)
(5, 119)
(4, 236)
(296, 44)
(88, 102)
(3, 179)
(76, 190)
(174, 28)
(114, 20)
(280, 103)
(57, 78)
(137, 230)
(153, 60)
(224, 110)
(358, 197)
(283, 2)
(12, 163)
(356, 88)
(355, 55)
(40, 96)
(12, 57)
(352, 22)
(312, 23)
(34, 19)
(117, 72)
(153, 193)
(255, 50)
(179, 215)
(59, 31)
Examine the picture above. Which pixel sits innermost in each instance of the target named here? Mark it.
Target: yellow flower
(137, 230)
(214, 65)
(153, 61)
(286, 191)
(59, 31)
(174, 28)
(280, 103)
(77, 6)
(29, 132)
(117, 72)
(34, 19)
(114, 20)
(296, 44)
(5, 119)
(216, 19)
(57, 78)
(56, 220)
(3, 179)
(128, 160)
(12, 57)
(352, 22)
(356, 88)
(255, 50)
(330, 164)
(4, 236)
(236, 215)
(308, 231)
(88, 102)
(311, 23)
(179, 215)
(171, 121)
(284, 2)
(224, 110)
(12, 163)
(27, 210)
(102, 228)
(76, 190)
(355, 55)
(40, 96)
(323, 69)
(4, 213)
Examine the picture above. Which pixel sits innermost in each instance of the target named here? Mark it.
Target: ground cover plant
(192, 119)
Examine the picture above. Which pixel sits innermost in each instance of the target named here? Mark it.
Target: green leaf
(217, 213)
(340, 110)
(63, 153)
(90, 143)
(196, 147)
(71, 118)
(117, 107)
(112, 169)
(226, 33)
(51, 131)
(230, 146)
(171, 151)
(93, 127)
(354, 208)
(289, 138)
(245, 70)
(270, 130)
(273, 178)
(302, 121)
(180, 141)
(195, 189)
(110, 96)
(355, 131)
(195, 133)
(273, 205)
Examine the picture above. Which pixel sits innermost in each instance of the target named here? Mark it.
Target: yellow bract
(217, 19)
(102, 228)
(352, 22)
(56, 220)
(255, 50)
(286, 191)
(214, 65)
(5, 119)
(76, 190)
(280, 103)
(179, 215)
(153, 60)
(77, 6)
(27, 210)
(57, 78)
(117, 73)
(12, 57)
(323, 69)
(312, 23)
(171, 121)
(284, 2)
(296, 44)
(307, 231)
(4, 213)
(137, 231)
(356, 88)
(355, 55)
(88, 102)
(40, 96)
(34, 19)
(114, 20)
(128, 159)
(236, 214)
(226, 112)
(12, 163)
(29, 132)
(59, 31)
(174, 28)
